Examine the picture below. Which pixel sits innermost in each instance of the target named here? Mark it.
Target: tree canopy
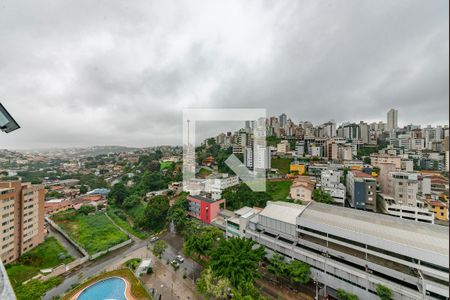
(237, 260)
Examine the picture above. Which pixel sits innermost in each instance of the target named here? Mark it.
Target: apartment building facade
(21, 218)
(403, 187)
(361, 190)
(204, 208)
(357, 250)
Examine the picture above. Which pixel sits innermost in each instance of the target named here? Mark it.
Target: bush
(383, 292)
(86, 209)
(133, 263)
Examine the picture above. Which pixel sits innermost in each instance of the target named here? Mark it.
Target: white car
(179, 258)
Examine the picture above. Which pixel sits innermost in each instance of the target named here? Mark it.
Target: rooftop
(286, 211)
(420, 236)
(360, 174)
(201, 198)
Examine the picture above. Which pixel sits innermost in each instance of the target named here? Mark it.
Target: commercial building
(361, 190)
(418, 213)
(357, 250)
(236, 225)
(204, 208)
(21, 218)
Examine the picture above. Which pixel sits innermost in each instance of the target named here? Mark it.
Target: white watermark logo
(256, 151)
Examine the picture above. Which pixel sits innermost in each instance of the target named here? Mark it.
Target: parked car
(154, 239)
(175, 264)
(179, 258)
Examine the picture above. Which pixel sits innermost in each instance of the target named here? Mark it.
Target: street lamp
(7, 123)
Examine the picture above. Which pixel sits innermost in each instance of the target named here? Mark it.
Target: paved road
(62, 239)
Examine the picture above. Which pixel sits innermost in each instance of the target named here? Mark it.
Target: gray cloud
(112, 72)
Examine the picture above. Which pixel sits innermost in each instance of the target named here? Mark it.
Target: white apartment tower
(392, 119)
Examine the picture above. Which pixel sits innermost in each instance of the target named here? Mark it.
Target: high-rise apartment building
(392, 119)
(283, 120)
(21, 218)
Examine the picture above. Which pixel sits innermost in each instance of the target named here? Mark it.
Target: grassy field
(94, 233)
(123, 220)
(49, 254)
(166, 165)
(137, 289)
(279, 190)
(282, 164)
(35, 289)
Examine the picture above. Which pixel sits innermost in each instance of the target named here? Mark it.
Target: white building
(388, 205)
(330, 183)
(283, 147)
(357, 250)
(219, 182)
(392, 119)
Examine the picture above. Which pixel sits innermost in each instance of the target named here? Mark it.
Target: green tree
(118, 193)
(159, 247)
(131, 201)
(344, 295)
(367, 160)
(299, 272)
(278, 266)
(178, 214)
(237, 259)
(155, 214)
(86, 209)
(384, 292)
(213, 286)
(322, 196)
(83, 189)
(201, 242)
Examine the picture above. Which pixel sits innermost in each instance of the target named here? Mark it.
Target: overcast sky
(79, 73)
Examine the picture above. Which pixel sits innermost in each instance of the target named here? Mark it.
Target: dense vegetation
(294, 272)
(49, 254)
(322, 196)
(35, 289)
(241, 195)
(282, 164)
(232, 266)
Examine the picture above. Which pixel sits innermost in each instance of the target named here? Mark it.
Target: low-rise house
(302, 189)
(440, 209)
(57, 205)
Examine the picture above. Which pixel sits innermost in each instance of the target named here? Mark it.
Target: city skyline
(75, 80)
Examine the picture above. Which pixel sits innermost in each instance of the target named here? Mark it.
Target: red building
(203, 208)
